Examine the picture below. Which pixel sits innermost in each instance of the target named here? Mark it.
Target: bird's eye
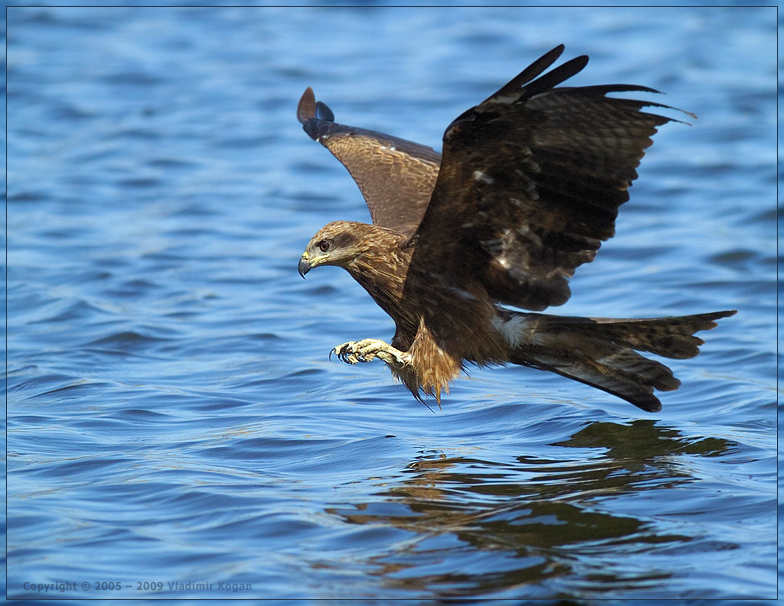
(323, 246)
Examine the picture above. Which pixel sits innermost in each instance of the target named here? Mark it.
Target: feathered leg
(425, 368)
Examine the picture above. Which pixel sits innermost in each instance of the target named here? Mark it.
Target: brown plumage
(528, 188)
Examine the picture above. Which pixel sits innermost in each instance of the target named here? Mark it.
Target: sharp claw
(344, 353)
(364, 351)
(339, 351)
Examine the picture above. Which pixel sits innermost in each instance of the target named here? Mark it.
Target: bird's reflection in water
(550, 518)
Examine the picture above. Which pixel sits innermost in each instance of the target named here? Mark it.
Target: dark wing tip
(306, 109)
(556, 76)
(718, 315)
(309, 108)
(601, 90)
(310, 112)
(533, 70)
(323, 112)
(531, 82)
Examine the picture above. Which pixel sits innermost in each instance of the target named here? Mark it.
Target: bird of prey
(527, 188)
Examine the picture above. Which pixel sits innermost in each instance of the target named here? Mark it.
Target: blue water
(172, 415)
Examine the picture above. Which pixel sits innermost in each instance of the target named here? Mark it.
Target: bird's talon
(347, 353)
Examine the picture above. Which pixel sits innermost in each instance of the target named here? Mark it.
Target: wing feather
(530, 185)
(396, 177)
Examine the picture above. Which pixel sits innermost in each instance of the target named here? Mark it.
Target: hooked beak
(303, 266)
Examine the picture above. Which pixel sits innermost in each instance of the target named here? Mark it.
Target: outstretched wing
(395, 176)
(530, 184)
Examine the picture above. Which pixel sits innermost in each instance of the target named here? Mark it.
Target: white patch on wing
(483, 177)
(527, 232)
(505, 99)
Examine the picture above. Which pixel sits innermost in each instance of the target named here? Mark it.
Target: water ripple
(172, 413)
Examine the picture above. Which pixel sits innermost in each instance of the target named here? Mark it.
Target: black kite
(527, 189)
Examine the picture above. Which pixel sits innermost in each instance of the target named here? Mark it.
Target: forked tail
(602, 352)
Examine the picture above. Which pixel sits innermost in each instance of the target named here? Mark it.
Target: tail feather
(602, 352)
(667, 337)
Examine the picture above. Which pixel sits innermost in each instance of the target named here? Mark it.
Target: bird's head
(337, 243)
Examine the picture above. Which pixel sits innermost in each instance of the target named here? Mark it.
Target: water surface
(173, 418)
